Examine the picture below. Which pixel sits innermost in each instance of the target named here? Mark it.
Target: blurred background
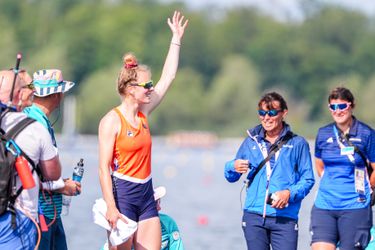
(232, 53)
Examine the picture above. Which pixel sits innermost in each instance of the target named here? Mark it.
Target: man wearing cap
(49, 92)
(36, 143)
(170, 235)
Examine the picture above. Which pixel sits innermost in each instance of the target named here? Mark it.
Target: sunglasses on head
(339, 106)
(270, 113)
(146, 85)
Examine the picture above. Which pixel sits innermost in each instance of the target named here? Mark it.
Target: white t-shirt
(36, 142)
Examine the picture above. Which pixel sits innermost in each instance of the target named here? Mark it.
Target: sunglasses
(270, 113)
(339, 106)
(146, 85)
(30, 86)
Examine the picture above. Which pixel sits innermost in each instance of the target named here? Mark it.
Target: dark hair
(271, 97)
(343, 94)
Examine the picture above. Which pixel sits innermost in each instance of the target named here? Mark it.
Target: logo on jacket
(130, 133)
(330, 140)
(176, 235)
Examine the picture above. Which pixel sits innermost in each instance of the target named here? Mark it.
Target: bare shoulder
(110, 117)
(108, 121)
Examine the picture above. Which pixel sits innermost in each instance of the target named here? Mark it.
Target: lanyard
(263, 148)
(359, 174)
(343, 147)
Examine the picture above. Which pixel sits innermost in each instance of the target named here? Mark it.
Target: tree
(233, 96)
(184, 105)
(97, 95)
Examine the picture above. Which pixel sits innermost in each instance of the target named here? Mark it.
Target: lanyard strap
(341, 145)
(273, 150)
(359, 174)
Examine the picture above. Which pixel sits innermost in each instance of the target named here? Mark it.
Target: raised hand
(177, 24)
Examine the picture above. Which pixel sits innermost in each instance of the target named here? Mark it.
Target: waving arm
(177, 26)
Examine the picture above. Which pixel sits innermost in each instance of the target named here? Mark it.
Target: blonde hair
(129, 72)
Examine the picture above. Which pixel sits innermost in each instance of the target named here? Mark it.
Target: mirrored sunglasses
(339, 106)
(146, 85)
(270, 113)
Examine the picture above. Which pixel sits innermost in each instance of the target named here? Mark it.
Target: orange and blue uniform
(131, 170)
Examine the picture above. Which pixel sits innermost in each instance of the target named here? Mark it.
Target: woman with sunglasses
(284, 177)
(342, 212)
(125, 144)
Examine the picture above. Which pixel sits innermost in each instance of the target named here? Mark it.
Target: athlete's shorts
(134, 200)
(279, 232)
(348, 228)
(23, 237)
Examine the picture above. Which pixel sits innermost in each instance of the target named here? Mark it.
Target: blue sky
(281, 9)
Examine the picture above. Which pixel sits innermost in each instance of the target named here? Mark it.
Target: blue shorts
(350, 228)
(21, 238)
(134, 200)
(279, 232)
(54, 238)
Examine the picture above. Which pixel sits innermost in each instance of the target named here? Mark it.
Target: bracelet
(176, 44)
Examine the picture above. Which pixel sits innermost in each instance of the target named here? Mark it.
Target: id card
(359, 180)
(347, 150)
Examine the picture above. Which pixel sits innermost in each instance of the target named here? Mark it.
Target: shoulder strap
(13, 133)
(361, 154)
(274, 148)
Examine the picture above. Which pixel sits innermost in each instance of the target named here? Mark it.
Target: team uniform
(36, 142)
(289, 169)
(131, 170)
(170, 235)
(342, 210)
(50, 203)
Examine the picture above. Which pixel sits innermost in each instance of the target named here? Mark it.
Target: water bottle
(24, 172)
(77, 176)
(78, 171)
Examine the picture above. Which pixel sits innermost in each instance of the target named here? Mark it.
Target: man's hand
(71, 187)
(282, 199)
(241, 166)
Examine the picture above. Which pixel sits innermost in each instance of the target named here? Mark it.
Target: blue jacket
(291, 170)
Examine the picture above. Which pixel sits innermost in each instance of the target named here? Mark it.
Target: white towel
(123, 231)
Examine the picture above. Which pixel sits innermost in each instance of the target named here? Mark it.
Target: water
(205, 206)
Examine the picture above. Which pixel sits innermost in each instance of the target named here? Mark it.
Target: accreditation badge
(359, 180)
(347, 150)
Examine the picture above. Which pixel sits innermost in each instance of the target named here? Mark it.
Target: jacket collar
(258, 132)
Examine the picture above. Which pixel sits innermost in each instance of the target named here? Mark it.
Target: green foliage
(227, 59)
(233, 97)
(183, 107)
(97, 95)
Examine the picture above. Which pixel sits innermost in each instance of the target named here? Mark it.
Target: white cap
(159, 192)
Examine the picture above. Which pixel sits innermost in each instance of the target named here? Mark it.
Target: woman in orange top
(125, 144)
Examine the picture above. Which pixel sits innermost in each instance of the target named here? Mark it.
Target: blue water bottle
(77, 176)
(78, 172)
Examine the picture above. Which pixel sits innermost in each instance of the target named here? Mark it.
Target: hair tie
(130, 65)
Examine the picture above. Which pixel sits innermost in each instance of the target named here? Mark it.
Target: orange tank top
(132, 151)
